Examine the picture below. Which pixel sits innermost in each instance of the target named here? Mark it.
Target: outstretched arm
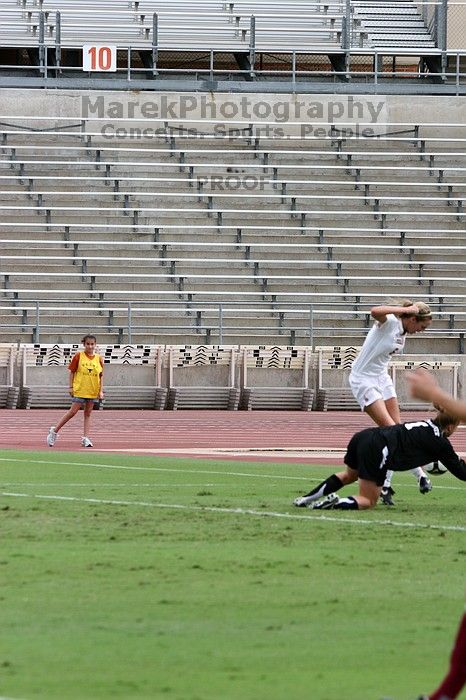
(380, 313)
(424, 386)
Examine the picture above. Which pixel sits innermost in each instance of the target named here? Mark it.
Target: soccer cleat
(386, 496)
(326, 503)
(52, 437)
(425, 484)
(302, 501)
(85, 442)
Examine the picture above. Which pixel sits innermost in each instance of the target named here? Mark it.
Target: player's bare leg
(68, 416)
(368, 494)
(53, 431)
(381, 412)
(88, 408)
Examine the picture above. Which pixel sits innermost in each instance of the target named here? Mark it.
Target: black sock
(330, 485)
(348, 503)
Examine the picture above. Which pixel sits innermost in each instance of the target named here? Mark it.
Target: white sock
(418, 472)
(388, 479)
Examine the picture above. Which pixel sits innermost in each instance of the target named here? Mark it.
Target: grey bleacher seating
(186, 26)
(336, 399)
(121, 232)
(445, 370)
(335, 361)
(9, 392)
(334, 365)
(276, 364)
(218, 390)
(49, 389)
(182, 25)
(208, 376)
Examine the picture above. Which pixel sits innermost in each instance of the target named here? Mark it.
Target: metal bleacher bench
(8, 392)
(340, 398)
(337, 359)
(47, 395)
(221, 393)
(297, 398)
(450, 367)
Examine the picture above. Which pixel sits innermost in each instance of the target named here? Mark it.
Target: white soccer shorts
(366, 390)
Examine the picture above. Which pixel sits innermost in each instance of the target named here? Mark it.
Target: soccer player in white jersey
(369, 380)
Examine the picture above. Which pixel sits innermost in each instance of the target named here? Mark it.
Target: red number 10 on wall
(99, 57)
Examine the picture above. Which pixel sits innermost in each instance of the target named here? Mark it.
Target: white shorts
(368, 389)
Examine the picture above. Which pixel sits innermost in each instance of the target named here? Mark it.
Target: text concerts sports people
(369, 380)
(86, 389)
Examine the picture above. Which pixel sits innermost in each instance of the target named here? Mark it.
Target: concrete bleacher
(105, 226)
(218, 389)
(9, 391)
(44, 383)
(263, 366)
(177, 377)
(334, 366)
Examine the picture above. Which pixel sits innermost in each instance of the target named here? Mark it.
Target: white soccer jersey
(383, 340)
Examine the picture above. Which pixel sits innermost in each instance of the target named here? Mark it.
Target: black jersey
(419, 442)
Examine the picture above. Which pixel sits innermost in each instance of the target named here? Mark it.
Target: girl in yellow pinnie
(86, 389)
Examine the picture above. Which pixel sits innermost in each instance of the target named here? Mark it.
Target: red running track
(271, 435)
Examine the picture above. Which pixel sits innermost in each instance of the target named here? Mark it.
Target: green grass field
(140, 577)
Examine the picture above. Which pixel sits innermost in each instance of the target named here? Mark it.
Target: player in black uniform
(371, 452)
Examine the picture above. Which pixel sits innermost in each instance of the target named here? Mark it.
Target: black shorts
(367, 454)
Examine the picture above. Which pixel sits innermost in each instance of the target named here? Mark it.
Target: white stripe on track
(237, 511)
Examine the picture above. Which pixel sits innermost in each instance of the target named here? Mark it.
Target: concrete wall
(117, 375)
(132, 375)
(282, 110)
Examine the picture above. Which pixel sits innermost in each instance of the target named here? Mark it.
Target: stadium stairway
(392, 24)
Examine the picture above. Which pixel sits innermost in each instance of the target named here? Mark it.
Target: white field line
(225, 452)
(192, 471)
(94, 484)
(154, 469)
(237, 511)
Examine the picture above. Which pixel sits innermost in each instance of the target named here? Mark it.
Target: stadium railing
(319, 316)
